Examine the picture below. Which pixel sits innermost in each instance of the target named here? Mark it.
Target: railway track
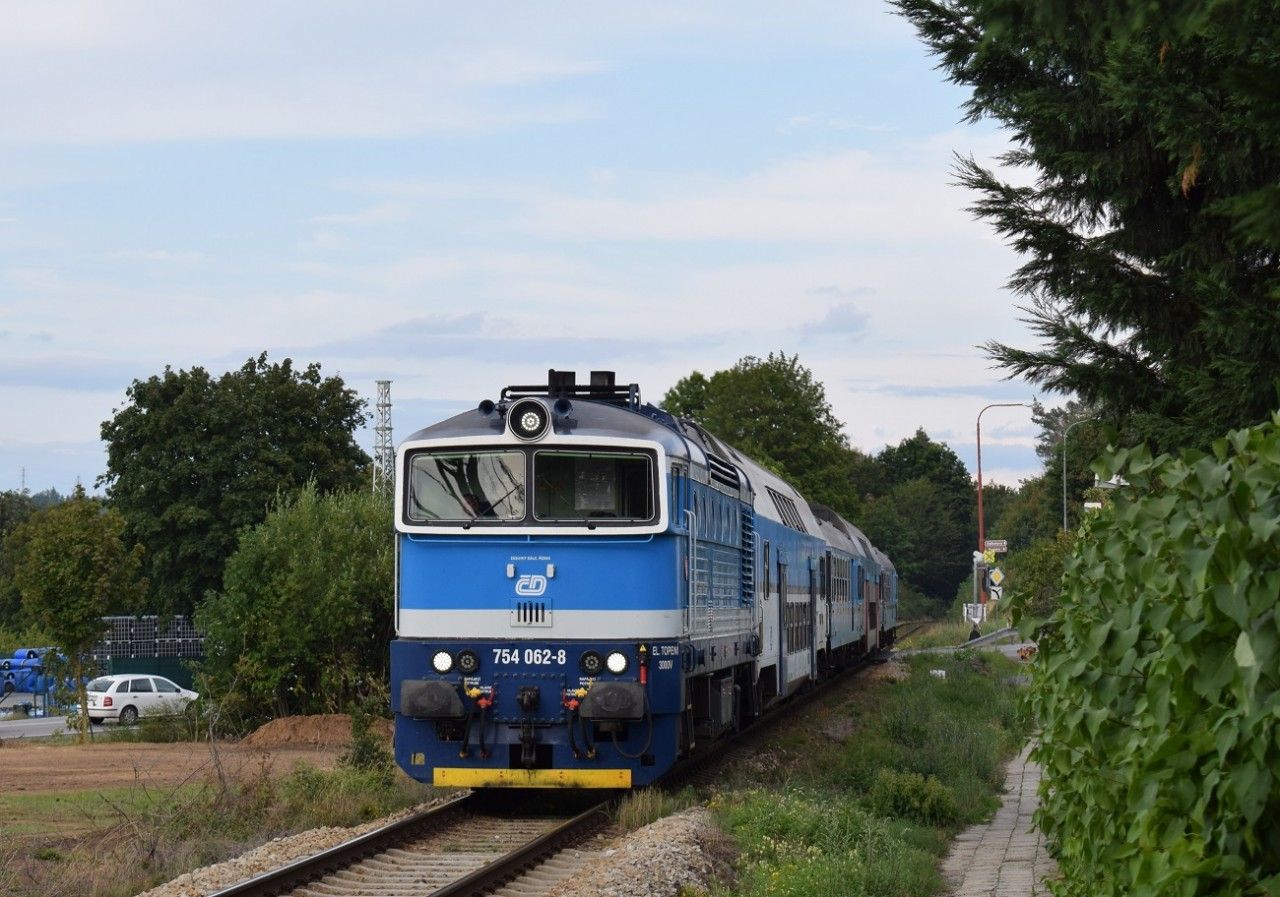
(477, 844)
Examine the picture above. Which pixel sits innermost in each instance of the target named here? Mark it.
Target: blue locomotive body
(588, 587)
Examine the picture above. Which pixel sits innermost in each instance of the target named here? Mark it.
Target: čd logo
(531, 584)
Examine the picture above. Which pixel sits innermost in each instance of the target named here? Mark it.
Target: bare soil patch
(29, 767)
(274, 749)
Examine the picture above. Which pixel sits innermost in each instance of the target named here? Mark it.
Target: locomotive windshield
(465, 486)
(576, 486)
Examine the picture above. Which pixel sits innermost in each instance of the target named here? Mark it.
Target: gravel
(275, 853)
(685, 850)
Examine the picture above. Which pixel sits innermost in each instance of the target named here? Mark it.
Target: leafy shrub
(368, 751)
(909, 795)
(1157, 679)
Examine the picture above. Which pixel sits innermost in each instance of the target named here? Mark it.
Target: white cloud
(146, 70)
(845, 197)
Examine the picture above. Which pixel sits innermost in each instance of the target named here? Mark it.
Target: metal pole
(982, 535)
(1065, 434)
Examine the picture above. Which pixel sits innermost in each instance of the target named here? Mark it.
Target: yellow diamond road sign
(997, 576)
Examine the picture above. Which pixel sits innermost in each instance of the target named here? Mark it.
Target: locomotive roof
(586, 418)
(603, 409)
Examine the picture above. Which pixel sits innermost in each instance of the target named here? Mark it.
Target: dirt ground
(276, 748)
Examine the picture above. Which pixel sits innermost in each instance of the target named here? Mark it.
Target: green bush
(368, 751)
(1156, 683)
(909, 795)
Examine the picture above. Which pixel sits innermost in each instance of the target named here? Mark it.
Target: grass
(639, 808)
(74, 812)
(948, 633)
(123, 841)
(872, 810)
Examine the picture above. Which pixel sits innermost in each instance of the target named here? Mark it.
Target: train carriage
(588, 587)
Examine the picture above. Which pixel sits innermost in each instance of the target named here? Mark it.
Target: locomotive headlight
(442, 661)
(617, 663)
(528, 419)
(468, 662)
(591, 663)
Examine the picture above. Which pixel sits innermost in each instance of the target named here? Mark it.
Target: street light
(982, 534)
(1065, 434)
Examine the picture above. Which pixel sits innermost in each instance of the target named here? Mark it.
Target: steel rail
(306, 869)
(513, 864)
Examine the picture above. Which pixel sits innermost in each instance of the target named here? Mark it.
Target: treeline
(241, 500)
(915, 500)
(1148, 217)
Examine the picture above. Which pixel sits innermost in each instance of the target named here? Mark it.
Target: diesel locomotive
(589, 588)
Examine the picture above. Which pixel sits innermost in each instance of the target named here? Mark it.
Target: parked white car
(124, 697)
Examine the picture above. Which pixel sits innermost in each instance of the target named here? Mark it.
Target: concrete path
(1004, 857)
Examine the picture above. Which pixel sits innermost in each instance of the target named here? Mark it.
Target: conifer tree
(1152, 273)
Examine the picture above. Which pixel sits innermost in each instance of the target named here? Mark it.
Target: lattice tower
(384, 457)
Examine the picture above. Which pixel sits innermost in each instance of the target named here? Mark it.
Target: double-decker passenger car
(588, 588)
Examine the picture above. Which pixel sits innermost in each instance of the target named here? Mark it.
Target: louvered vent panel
(722, 471)
(748, 554)
(530, 613)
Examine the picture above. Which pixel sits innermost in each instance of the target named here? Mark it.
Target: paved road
(39, 727)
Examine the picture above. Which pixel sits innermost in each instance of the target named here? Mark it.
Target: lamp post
(1065, 434)
(982, 534)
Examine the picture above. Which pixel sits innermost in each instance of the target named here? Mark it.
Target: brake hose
(484, 750)
(573, 743)
(586, 738)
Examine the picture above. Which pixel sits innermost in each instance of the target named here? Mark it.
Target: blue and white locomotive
(588, 588)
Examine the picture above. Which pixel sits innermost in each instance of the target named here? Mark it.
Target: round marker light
(617, 663)
(528, 419)
(442, 661)
(468, 662)
(591, 663)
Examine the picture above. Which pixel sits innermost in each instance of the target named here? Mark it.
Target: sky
(459, 197)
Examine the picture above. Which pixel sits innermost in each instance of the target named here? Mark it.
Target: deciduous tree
(192, 460)
(74, 567)
(776, 411)
(15, 508)
(305, 616)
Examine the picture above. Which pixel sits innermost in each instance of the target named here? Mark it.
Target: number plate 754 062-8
(529, 656)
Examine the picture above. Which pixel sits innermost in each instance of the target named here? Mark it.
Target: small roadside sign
(988, 557)
(996, 576)
(996, 593)
(997, 545)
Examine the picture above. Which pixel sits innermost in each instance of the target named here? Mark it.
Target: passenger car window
(164, 685)
(138, 685)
